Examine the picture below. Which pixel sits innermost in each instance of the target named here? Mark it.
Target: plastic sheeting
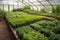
(36, 4)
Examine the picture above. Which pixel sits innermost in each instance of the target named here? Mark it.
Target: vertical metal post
(13, 5)
(8, 8)
(3, 6)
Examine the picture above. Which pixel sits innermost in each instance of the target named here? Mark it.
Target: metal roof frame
(34, 5)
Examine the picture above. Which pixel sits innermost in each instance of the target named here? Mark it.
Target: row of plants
(27, 33)
(20, 18)
(55, 11)
(42, 30)
(26, 9)
(50, 28)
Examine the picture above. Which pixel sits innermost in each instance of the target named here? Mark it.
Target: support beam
(42, 4)
(30, 5)
(33, 4)
(25, 4)
(49, 2)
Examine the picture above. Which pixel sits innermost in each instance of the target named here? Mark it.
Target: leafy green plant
(56, 30)
(32, 11)
(53, 10)
(28, 33)
(42, 30)
(49, 28)
(43, 10)
(19, 18)
(46, 24)
(36, 26)
(55, 37)
(56, 10)
(26, 7)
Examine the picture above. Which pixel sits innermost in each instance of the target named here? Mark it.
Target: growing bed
(48, 28)
(21, 18)
(34, 27)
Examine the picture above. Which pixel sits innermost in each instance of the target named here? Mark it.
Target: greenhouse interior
(29, 19)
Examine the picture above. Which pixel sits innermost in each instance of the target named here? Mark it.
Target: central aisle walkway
(5, 33)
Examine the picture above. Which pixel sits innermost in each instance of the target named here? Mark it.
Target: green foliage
(28, 33)
(56, 30)
(57, 9)
(2, 13)
(26, 7)
(19, 18)
(42, 30)
(23, 30)
(32, 11)
(50, 25)
(55, 37)
(46, 24)
(50, 28)
(43, 10)
(36, 26)
(53, 10)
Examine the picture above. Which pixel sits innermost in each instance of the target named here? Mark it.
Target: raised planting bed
(57, 17)
(55, 13)
(34, 12)
(21, 18)
(50, 28)
(27, 33)
(45, 29)
(14, 33)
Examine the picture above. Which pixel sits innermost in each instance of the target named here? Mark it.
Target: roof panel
(45, 3)
(31, 2)
(55, 2)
